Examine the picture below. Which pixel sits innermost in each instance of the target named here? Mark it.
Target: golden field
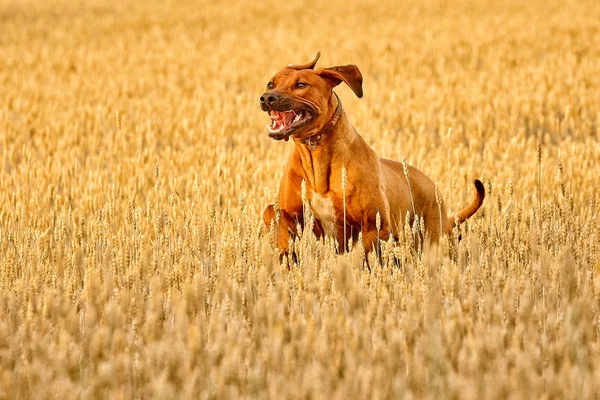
(135, 166)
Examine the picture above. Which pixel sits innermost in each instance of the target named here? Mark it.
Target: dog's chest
(322, 209)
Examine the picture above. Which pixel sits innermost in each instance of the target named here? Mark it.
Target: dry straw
(133, 258)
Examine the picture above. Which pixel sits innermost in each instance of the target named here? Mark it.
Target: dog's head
(299, 98)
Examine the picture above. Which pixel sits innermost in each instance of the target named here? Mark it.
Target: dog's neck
(313, 141)
(320, 163)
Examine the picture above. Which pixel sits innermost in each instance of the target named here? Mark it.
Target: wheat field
(135, 166)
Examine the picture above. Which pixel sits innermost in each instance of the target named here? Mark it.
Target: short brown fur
(373, 184)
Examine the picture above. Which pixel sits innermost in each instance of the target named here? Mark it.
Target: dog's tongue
(282, 117)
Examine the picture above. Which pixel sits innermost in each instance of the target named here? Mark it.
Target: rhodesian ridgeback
(302, 105)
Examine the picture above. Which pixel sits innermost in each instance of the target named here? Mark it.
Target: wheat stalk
(344, 185)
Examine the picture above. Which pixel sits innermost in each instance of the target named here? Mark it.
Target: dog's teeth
(271, 130)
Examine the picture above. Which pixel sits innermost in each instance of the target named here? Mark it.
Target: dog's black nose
(268, 99)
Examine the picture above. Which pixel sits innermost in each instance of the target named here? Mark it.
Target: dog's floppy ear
(345, 73)
(310, 65)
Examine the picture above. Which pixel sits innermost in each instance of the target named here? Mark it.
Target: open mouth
(284, 123)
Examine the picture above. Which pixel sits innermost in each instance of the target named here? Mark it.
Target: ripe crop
(135, 166)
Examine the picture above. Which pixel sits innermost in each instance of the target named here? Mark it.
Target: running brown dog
(302, 105)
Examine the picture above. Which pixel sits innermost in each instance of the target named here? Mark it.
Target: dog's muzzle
(285, 119)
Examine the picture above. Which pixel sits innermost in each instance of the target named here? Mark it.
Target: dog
(376, 194)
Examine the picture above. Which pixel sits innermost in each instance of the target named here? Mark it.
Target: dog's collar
(314, 140)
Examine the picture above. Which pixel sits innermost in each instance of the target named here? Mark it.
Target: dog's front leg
(372, 239)
(285, 227)
(375, 228)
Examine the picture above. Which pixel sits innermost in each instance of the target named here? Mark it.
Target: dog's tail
(471, 208)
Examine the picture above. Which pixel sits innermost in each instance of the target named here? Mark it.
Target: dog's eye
(300, 85)
(270, 85)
